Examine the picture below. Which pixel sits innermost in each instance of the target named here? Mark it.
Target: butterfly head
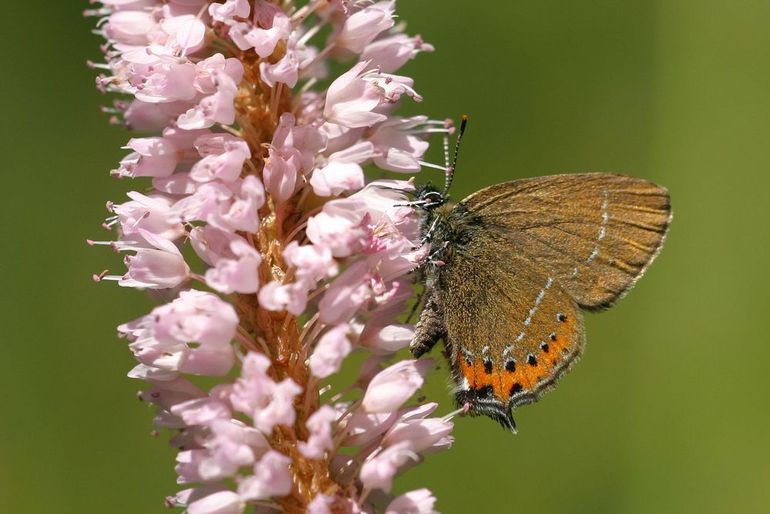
(428, 197)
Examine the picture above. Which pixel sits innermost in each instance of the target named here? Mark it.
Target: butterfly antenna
(450, 169)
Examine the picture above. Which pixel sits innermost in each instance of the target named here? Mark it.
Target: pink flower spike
(393, 386)
(320, 439)
(271, 478)
(300, 259)
(330, 351)
(420, 501)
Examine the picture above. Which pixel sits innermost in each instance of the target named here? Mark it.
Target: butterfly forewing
(594, 233)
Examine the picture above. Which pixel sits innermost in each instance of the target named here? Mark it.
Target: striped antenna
(450, 169)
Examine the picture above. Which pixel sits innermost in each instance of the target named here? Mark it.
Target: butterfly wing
(517, 261)
(510, 329)
(594, 233)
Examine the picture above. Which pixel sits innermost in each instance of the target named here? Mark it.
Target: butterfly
(512, 266)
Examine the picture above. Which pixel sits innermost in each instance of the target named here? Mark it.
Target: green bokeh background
(668, 410)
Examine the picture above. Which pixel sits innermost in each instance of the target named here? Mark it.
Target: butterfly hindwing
(511, 330)
(595, 232)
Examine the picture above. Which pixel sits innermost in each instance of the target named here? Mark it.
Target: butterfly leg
(429, 233)
(430, 327)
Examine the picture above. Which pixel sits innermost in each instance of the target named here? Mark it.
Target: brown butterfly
(513, 264)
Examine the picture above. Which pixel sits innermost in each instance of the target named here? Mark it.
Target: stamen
(431, 165)
(91, 242)
(307, 85)
(104, 276)
(312, 31)
(98, 65)
(459, 412)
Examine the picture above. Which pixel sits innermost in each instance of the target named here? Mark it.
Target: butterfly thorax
(447, 226)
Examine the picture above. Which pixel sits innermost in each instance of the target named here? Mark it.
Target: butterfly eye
(433, 199)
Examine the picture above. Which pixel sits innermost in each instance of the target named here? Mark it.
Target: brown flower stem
(258, 110)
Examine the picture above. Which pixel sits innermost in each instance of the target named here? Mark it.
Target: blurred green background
(668, 410)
